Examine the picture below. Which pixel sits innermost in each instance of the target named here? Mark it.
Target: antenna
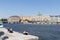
(39, 14)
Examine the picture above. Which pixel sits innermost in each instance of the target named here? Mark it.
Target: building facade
(34, 19)
(25, 18)
(14, 19)
(58, 20)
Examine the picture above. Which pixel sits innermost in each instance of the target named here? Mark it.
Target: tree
(3, 19)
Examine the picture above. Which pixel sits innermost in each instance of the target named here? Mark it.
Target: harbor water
(44, 32)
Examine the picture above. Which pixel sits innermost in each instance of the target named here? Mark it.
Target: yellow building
(25, 18)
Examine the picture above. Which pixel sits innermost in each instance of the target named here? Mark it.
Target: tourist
(25, 33)
(10, 30)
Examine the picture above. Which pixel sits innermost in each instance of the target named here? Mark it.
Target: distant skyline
(29, 7)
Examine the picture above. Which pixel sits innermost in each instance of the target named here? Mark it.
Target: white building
(40, 18)
(59, 19)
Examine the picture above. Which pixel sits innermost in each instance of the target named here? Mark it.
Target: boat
(16, 35)
(1, 24)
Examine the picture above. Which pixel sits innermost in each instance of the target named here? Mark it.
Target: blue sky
(29, 7)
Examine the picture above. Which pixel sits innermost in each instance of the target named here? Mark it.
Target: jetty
(16, 35)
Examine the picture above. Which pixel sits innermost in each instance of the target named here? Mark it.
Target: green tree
(3, 19)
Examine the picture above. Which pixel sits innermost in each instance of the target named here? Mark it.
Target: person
(25, 33)
(10, 30)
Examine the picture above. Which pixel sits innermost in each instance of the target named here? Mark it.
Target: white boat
(16, 35)
(1, 24)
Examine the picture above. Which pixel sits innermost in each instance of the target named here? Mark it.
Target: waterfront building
(58, 20)
(41, 19)
(54, 19)
(35, 19)
(14, 19)
(25, 18)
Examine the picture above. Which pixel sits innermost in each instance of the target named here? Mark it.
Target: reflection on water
(44, 32)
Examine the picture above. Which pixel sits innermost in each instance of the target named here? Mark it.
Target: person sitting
(10, 30)
(25, 33)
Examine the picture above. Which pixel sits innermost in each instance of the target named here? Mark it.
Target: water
(44, 32)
